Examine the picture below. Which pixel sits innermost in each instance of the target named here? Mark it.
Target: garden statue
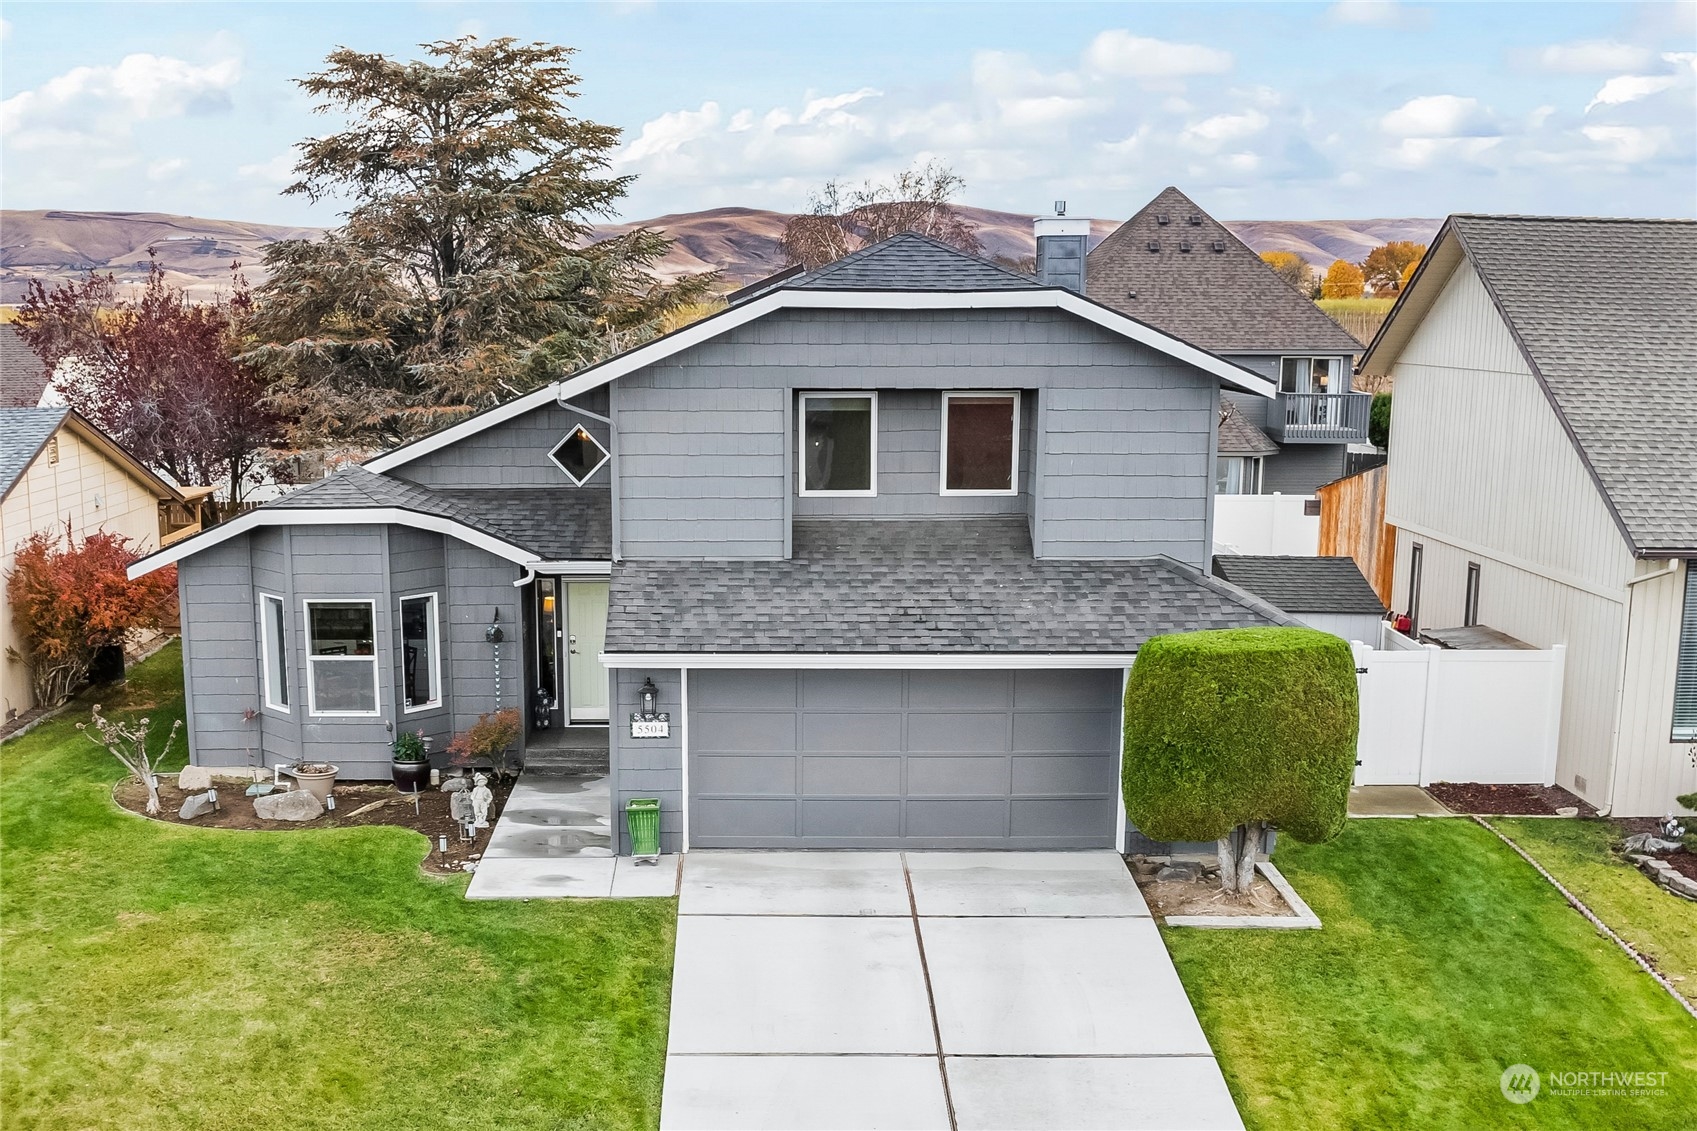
(481, 798)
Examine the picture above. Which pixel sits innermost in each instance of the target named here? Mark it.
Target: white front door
(586, 633)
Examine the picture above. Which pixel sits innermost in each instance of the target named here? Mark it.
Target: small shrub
(409, 746)
(1228, 731)
(489, 738)
(1379, 421)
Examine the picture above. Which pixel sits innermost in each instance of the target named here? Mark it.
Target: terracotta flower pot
(317, 784)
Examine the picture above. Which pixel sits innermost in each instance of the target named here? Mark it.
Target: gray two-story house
(1177, 268)
(880, 541)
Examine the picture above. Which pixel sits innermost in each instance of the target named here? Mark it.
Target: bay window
(421, 653)
(274, 652)
(341, 658)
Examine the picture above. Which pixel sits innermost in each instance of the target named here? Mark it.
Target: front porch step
(567, 761)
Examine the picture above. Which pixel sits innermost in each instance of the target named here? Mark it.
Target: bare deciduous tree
(127, 742)
(839, 220)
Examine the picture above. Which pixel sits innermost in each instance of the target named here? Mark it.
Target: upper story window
(1237, 475)
(274, 652)
(579, 455)
(341, 657)
(1312, 375)
(839, 443)
(421, 653)
(980, 443)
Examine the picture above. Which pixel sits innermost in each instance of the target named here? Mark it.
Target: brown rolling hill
(740, 243)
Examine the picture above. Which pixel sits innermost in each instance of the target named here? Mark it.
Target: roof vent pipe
(1061, 244)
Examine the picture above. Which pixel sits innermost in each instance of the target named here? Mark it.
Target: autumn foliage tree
(1384, 266)
(1343, 280)
(466, 271)
(157, 373)
(840, 219)
(1292, 268)
(72, 599)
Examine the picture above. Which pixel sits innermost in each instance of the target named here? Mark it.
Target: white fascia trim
(1052, 298)
(869, 660)
(331, 516)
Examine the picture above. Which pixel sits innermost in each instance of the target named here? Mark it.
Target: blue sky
(1260, 111)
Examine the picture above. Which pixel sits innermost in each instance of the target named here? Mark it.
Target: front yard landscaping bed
(1444, 960)
(1519, 800)
(354, 801)
(159, 975)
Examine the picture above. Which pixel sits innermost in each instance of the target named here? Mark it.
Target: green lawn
(1444, 959)
(196, 978)
(1659, 925)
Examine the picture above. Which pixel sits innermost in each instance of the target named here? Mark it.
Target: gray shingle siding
(513, 453)
(1301, 469)
(647, 767)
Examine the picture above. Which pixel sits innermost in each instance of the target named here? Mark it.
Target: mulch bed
(1507, 800)
(235, 811)
(1204, 897)
(1682, 860)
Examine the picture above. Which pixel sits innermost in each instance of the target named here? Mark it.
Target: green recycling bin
(642, 817)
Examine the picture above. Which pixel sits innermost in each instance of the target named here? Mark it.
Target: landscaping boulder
(194, 805)
(191, 778)
(455, 785)
(1179, 872)
(1649, 842)
(296, 805)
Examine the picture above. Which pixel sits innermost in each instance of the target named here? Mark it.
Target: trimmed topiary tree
(1230, 731)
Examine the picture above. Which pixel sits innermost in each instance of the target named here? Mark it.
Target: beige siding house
(1543, 474)
(56, 467)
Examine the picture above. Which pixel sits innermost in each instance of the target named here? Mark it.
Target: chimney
(1061, 244)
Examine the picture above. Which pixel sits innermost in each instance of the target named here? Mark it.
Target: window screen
(341, 657)
(420, 662)
(1685, 675)
(275, 649)
(981, 445)
(837, 448)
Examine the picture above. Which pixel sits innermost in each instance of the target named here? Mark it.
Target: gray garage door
(893, 759)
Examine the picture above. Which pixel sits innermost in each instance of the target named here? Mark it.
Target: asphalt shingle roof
(1606, 311)
(22, 375)
(1238, 437)
(22, 433)
(909, 262)
(556, 524)
(955, 585)
(1302, 585)
(1223, 300)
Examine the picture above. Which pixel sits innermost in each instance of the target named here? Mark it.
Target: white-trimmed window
(1312, 375)
(421, 653)
(1685, 671)
(341, 658)
(274, 652)
(839, 443)
(980, 443)
(1237, 475)
(579, 455)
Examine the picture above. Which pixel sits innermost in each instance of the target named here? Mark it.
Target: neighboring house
(1324, 593)
(57, 468)
(24, 380)
(881, 541)
(1178, 269)
(1543, 474)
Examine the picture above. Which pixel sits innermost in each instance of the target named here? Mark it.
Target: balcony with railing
(1320, 418)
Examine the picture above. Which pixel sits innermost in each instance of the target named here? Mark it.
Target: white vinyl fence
(1434, 714)
(1265, 524)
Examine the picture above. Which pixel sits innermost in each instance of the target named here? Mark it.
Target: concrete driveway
(928, 990)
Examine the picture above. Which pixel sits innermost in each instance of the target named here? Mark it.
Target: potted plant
(487, 740)
(317, 778)
(411, 765)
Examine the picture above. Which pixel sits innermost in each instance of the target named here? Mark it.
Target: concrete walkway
(955, 991)
(1394, 801)
(554, 839)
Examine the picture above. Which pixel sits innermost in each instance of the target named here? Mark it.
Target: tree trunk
(1227, 848)
(151, 780)
(1251, 849)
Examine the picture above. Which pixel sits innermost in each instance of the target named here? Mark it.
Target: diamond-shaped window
(579, 455)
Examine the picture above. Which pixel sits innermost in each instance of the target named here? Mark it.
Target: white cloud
(165, 167)
(101, 105)
(1118, 52)
(1630, 88)
(1628, 144)
(1222, 128)
(1373, 13)
(821, 106)
(1438, 116)
(1594, 56)
(670, 132)
(1422, 152)
(280, 170)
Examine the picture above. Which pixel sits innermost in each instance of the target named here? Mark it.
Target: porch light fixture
(649, 699)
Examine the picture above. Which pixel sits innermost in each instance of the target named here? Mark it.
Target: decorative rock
(1568, 811)
(296, 805)
(1184, 871)
(191, 778)
(455, 784)
(1649, 842)
(194, 805)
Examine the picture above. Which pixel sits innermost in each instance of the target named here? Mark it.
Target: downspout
(1671, 567)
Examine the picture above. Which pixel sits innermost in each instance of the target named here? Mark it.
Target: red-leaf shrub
(69, 600)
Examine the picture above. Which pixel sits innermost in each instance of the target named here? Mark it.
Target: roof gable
(1217, 293)
(23, 377)
(23, 433)
(1601, 310)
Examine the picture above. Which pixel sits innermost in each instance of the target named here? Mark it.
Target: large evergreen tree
(463, 274)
